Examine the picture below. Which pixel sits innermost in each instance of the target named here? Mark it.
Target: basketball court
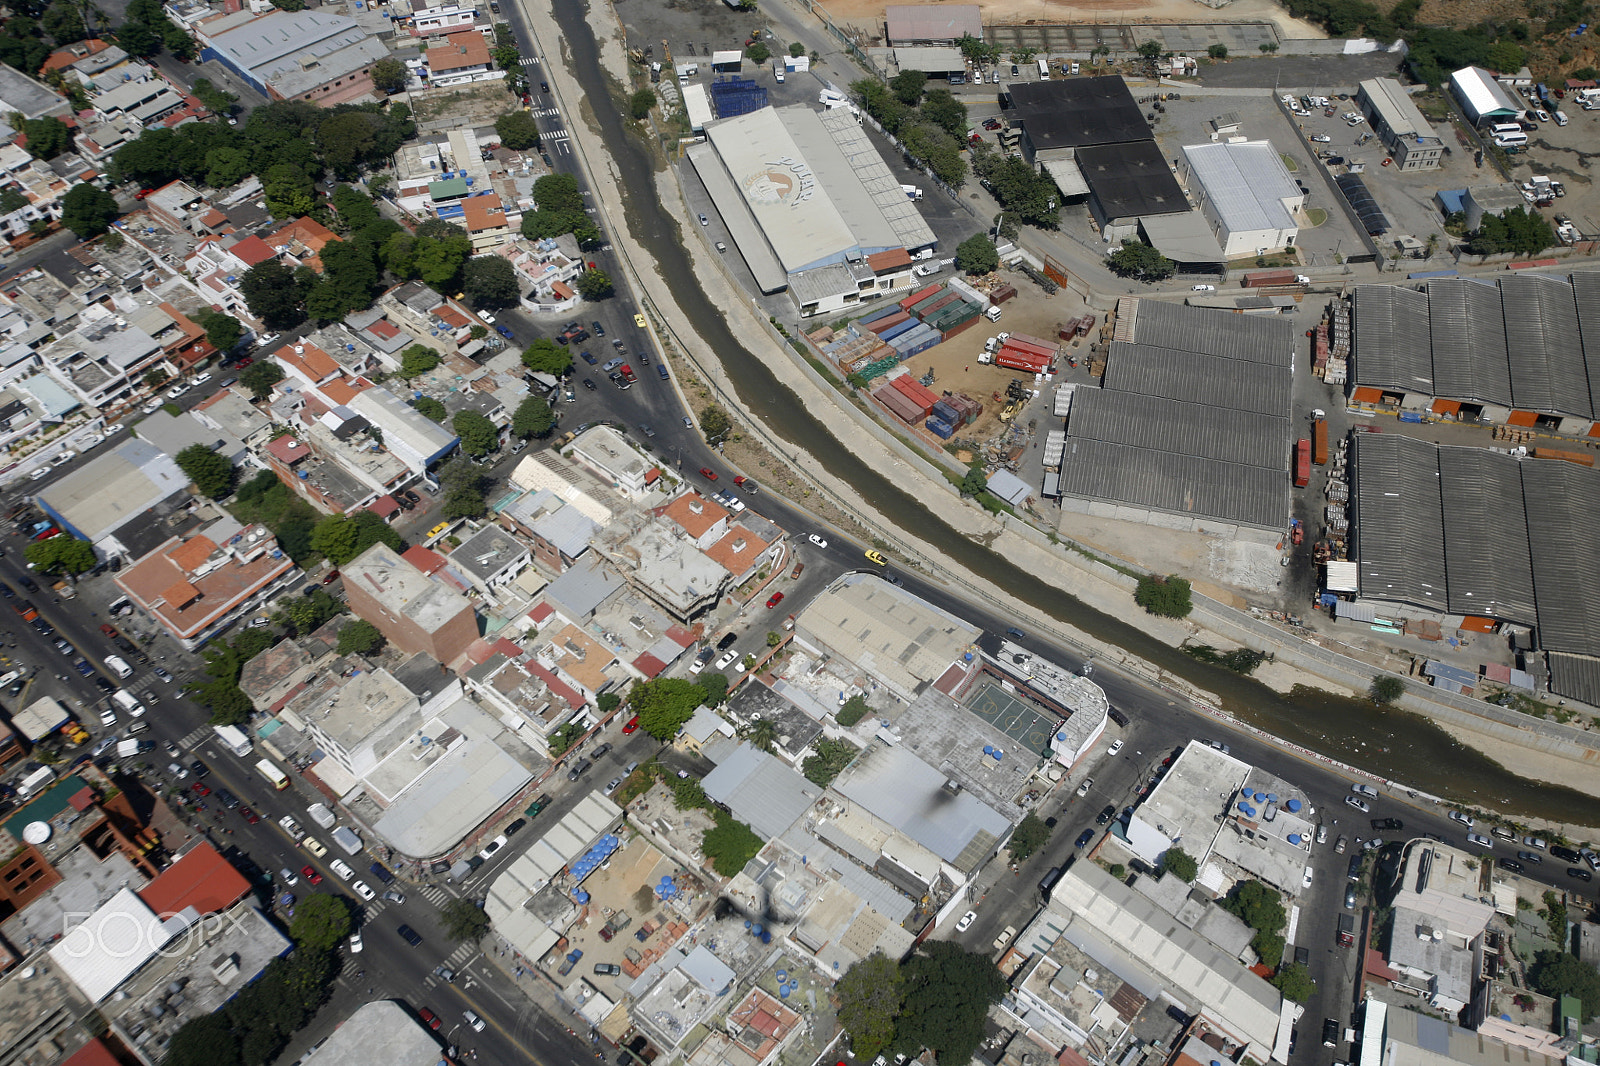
(1029, 726)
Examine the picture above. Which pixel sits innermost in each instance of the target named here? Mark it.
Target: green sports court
(1029, 726)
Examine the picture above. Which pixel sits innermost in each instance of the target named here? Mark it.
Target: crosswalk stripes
(435, 895)
(529, 61)
(460, 955)
(196, 738)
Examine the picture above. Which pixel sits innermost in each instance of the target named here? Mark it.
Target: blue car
(506, 333)
(587, 358)
(84, 668)
(1084, 838)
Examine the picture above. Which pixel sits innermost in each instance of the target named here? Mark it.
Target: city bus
(273, 774)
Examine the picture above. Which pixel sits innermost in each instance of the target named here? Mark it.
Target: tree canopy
(665, 704)
(46, 137)
(490, 280)
(1138, 260)
(428, 407)
(416, 360)
(545, 356)
(730, 844)
(1515, 230)
(211, 473)
(1386, 689)
(320, 921)
(87, 210)
(463, 920)
(478, 435)
(361, 637)
(1167, 597)
(533, 418)
(1028, 837)
(948, 993)
(1556, 973)
(1261, 908)
(977, 254)
(594, 284)
(222, 331)
(518, 130)
(1027, 195)
(1295, 982)
(61, 554)
(829, 761)
(870, 996)
(271, 293)
(1181, 863)
(260, 377)
(342, 537)
(389, 76)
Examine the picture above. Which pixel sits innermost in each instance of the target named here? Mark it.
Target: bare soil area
(867, 15)
(478, 104)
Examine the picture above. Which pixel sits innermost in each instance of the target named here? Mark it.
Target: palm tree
(761, 734)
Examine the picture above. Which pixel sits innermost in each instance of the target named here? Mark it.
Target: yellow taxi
(638, 320)
(876, 557)
(440, 528)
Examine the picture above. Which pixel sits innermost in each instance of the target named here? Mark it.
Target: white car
(473, 1020)
(201, 379)
(1542, 115)
(365, 893)
(108, 718)
(1364, 790)
(1305, 882)
(927, 270)
(487, 317)
(966, 920)
(177, 390)
(493, 846)
(1116, 746)
(344, 871)
(43, 471)
(727, 658)
(1005, 937)
(152, 407)
(1083, 789)
(1358, 803)
(1457, 816)
(260, 622)
(90, 441)
(355, 941)
(817, 539)
(1479, 840)
(64, 458)
(1204, 288)
(1321, 138)
(291, 827)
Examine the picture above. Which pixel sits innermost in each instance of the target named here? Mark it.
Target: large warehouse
(1521, 350)
(1474, 534)
(1191, 425)
(1246, 194)
(115, 501)
(800, 190)
(1089, 135)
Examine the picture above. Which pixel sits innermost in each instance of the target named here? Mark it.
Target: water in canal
(1389, 743)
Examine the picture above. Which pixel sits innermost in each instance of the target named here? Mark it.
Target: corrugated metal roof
(1143, 421)
(1487, 565)
(1399, 528)
(760, 791)
(1212, 332)
(1182, 484)
(1392, 346)
(1586, 297)
(1479, 93)
(1575, 676)
(1179, 374)
(1562, 501)
(1465, 317)
(1547, 367)
(1246, 184)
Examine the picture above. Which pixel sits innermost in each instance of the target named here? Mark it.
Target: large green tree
(272, 294)
(1556, 973)
(730, 844)
(594, 284)
(222, 331)
(343, 537)
(260, 377)
(977, 255)
(665, 704)
(533, 418)
(1028, 837)
(908, 86)
(942, 109)
(870, 995)
(46, 137)
(1261, 908)
(490, 280)
(518, 130)
(417, 360)
(389, 75)
(430, 408)
(478, 435)
(463, 920)
(547, 357)
(1168, 597)
(361, 637)
(1138, 260)
(88, 210)
(211, 473)
(948, 993)
(320, 921)
(61, 554)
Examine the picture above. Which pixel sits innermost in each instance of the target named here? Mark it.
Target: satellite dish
(36, 832)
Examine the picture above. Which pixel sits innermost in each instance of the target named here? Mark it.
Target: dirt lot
(955, 362)
(867, 15)
(479, 104)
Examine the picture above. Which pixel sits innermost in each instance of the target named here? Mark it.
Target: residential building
(491, 559)
(382, 1031)
(146, 102)
(1244, 191)
(414, 612)
(194, 587)
(545, 271)
(615, 459)
(30, 98)
(559, 531)
(460, 58)
(1410, 138)
(322, 58)
(486, 222)
(521, 689)
(449, 18)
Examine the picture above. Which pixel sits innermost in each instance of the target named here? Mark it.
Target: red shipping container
(962, 326)
(923, 396)
(1023, 338)
(1302, 463)
(917, 297)
(1319, 442)
(888, 323)
(1002, 294)
(1257, 278)
(1046, 350)
(902, 406)
(1013, 359)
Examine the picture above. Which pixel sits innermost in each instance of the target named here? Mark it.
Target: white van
(118, 666)
(1504, 127)
(1560, 117)
(127, 702)
(1511, 140)
(1044, 69)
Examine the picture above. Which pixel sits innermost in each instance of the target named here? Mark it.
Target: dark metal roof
(1547, 364)
(1487, 567)
(1586, 296)
(1078, 112)
(1399, 520)
(1464, 315)
(1365, 205)
(1209, 379)
(1145, 421)
(1161, 480)
(1391, 342)
(1562, 501)
(1208, 331)
(1130, 179)
(1575, 676)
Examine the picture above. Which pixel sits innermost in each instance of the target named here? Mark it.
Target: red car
(775, 599)
(53, 530)
(311, 875)
(333, 575)
(430, 1019)
(241, 364)
(633, 723)
(199, 788)
(708, 473)
(248, 815)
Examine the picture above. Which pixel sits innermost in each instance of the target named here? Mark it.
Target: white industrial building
(1245, 194)
(800, 189)
(1481, 97)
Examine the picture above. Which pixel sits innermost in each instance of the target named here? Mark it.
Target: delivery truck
(347, 840)
(233, 737)
(321, 815)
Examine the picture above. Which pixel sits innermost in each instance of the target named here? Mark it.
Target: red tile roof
(560, 688)
(94, 1053)
(425, 559)
(202, 879)
(287, 450)
(649, 665)
(253, 250)
(887, 262)
(384, 506)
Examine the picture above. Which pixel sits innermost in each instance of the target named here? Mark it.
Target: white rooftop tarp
(111, 945)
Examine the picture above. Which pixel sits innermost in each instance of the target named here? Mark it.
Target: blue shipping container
(882, 312)
(913, 337)
(894, 331)
(932, 342)
(940, 428)
(946, 412)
